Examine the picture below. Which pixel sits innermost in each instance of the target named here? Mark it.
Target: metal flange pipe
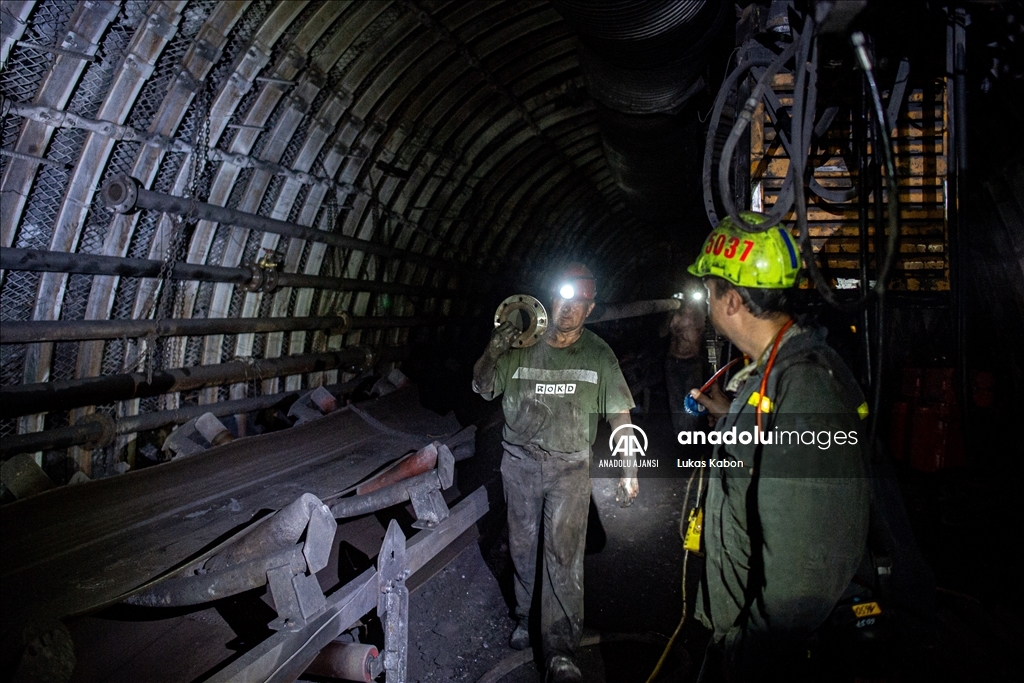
(29, 399)
(122, 193)
(247, 276)
(31, 331)
(34, 331)
(87, 432)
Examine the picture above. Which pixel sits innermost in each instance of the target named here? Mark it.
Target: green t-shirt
(553, 397)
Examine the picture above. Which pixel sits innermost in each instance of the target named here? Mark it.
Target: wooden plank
(912, 166)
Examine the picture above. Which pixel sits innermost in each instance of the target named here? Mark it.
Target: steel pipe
(30, 331)
(34, 331)
(605, 312)
(87, 432)
(96, 430)
(91, 264)
(122, 193)
(147, 421)
(29, 399)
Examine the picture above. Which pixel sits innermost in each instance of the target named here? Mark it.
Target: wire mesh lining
(121, 355)
(25, 67)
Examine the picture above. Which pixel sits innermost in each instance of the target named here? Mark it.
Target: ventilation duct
(643, 62)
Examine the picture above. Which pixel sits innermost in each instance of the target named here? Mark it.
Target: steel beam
(91, 264)
(41, 397)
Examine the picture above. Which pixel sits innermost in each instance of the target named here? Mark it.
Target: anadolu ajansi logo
(628, 445)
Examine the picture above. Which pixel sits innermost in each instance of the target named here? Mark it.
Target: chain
(176, 250)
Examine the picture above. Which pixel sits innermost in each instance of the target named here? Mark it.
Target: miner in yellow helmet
(786, 530)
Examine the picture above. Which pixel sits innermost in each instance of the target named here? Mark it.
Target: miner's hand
(501, 339)
(715, 401)
(627, 491)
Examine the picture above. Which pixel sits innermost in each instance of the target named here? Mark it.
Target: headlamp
(567, 291)
(697, 295)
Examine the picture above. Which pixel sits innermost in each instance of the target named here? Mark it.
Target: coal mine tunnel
(354, 340)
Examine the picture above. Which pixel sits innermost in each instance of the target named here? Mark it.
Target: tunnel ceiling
(459, 131)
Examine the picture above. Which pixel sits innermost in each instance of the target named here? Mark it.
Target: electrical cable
(709, 145)
(714, 377)
(882, 275)
(738, 128)
(802, 131)
(686, 557)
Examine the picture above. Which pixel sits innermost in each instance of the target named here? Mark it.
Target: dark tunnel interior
(250, 251)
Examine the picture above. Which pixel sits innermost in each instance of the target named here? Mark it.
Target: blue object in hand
(692, 407)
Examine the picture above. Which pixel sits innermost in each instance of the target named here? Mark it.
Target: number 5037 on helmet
(765, 260)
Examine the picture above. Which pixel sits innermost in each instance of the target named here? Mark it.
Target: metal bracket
(297, 597)
(393, 603)
(319, 538)
(427, 502)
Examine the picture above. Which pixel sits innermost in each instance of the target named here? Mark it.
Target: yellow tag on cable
(694, 526)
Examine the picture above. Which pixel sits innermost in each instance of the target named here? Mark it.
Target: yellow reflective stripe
(766, 403)
(862, 410)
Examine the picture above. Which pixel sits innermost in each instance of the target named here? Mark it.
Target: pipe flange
(344, 324)
(120, 193)
(256, 277)
(269, 280)
(261, 279)
(527, 314)
(107, 430)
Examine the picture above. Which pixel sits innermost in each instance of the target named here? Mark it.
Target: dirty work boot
(520, 639)
(562, 669)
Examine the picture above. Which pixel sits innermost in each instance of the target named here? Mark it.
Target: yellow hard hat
(765, 260)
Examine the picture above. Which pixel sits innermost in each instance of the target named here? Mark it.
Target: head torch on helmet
(576, 282)
(765, 260)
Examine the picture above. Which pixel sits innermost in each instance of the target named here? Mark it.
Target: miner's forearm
(616, 421)
(483, 374)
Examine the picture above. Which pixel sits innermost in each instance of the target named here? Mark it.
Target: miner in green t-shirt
(553, 393)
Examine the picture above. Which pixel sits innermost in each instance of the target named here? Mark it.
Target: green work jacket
(786, 523)
(554, 397)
